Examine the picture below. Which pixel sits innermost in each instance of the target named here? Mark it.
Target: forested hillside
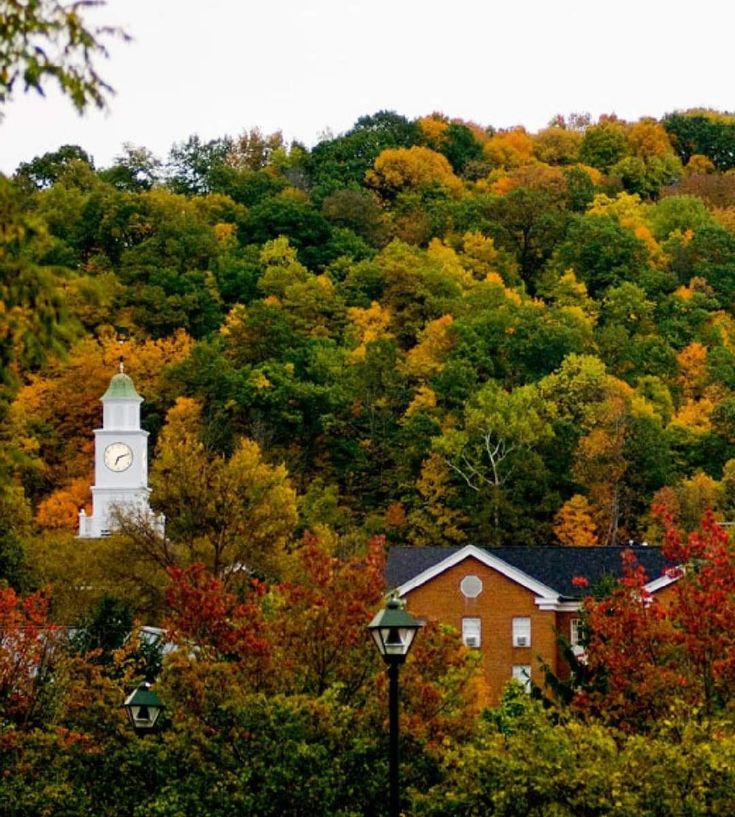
(425, 329)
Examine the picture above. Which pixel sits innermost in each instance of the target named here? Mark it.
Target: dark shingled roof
(553, 566)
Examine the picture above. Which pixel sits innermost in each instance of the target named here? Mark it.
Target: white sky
(301, 66)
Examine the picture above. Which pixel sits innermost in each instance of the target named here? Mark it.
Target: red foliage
(321, 615)
(27, 644)
(301, 635)
(203, 613)
(644, 652)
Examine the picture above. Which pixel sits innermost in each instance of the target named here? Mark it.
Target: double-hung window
(471, 632)
(521, 631)
(522, 674)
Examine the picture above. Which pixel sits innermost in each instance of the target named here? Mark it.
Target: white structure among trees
(120, 462)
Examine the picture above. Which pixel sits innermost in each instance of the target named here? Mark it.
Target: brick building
(510, 602)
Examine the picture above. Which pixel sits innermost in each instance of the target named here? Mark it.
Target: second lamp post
(393, 631)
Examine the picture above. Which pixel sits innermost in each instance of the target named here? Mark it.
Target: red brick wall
(501, 599)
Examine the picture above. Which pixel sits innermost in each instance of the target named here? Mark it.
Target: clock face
(118, 457)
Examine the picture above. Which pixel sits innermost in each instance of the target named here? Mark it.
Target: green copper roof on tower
(121, 387)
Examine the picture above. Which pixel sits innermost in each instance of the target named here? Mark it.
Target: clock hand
(120, 456)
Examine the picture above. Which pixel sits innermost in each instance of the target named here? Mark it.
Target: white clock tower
(120, 462)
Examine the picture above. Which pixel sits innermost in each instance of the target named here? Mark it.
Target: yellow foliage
(412, 168)
(693, 370)
(435, 342)
(479, 255)
(573, 523)
(224, 232)
(623, 206)
(630, 213)
(568, 291)
(557, 146)
(437, 520)
(368, 325)
(425, 398)
(597, 176)
(259, 380)
(699, 164)
(695, 415)
(724, 325)
(725, 217)
(509, 148)
(444, 257)
(432, 129)
(695, 496)
(224, 512)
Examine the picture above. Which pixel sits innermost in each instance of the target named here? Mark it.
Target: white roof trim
(665, 580)
(558, 606)
(547, 594)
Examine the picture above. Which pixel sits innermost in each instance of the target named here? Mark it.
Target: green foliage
(603, 145)
(43, 41)
(703, 133)
(601, 252)
(46, 170)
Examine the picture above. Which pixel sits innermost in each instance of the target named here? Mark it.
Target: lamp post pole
(395, 806)
(393, 631)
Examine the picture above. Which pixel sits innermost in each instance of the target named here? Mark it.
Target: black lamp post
(143, 707)
(393, 631)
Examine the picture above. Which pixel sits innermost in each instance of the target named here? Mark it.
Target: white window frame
(575, 632)
(521, 631)
(522, 674)
(575, 640)
(472, 632)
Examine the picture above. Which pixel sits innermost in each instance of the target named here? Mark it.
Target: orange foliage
(432, 129)
(60, 510)
(573, 523)
(647, 138)
(53, 416)
(693, 371)
(509, 148)
(395, 515)
(535, 177)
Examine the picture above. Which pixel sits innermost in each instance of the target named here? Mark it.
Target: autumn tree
(397, 169)
(573, 522)
(30, 653)
(646, 654)
(234, 514)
